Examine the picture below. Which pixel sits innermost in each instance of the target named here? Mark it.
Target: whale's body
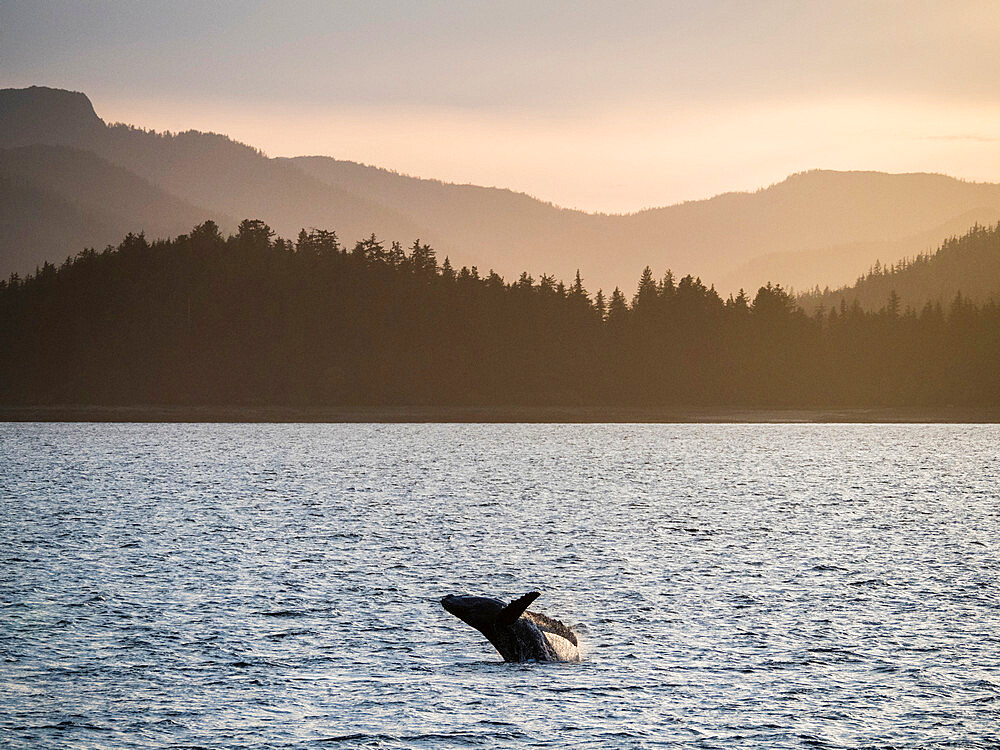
(517, 634)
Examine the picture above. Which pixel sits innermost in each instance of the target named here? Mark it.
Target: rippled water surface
(232, 586)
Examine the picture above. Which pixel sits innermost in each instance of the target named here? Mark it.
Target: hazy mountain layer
(56, 200)
(38, 225)
(968, 265)
(815, 228)
(833, 262)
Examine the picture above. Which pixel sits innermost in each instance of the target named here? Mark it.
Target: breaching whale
(517, 634)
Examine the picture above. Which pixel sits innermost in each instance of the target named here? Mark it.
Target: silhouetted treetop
(256, 319)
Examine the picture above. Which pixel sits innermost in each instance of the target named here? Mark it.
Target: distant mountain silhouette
(816, 227)
(39, 225)
(237, 180)
(834, 263)
(56, 200)
(967, 266)
(42, 115)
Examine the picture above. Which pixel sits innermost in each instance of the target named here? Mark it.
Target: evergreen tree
(646, 292)
(617, 309)
(423, 260)
(600, 305)
(254, 319)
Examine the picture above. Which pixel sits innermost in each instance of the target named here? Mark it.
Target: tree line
(970, 264)
(253, 319)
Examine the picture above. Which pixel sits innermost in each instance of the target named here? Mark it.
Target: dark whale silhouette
(517, 634)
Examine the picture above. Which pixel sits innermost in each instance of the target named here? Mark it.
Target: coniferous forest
(969, 264)
(257, 320)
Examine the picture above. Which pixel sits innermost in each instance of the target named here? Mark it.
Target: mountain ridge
(57, 199)
(783, 230)
(965, 267)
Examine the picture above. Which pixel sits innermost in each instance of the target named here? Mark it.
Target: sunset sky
(601, 106)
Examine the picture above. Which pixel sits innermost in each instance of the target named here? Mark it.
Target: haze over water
(277, 586)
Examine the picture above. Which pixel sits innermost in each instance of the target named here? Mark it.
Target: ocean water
(277, 586)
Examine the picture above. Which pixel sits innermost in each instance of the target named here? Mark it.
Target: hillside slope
(227, 178)
(968, 265)
(56, 200)
(833, 264)
(813, 227)
(816, 227)
(237, 180)
(39, 225)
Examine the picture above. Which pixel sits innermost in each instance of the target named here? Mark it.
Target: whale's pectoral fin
(509, 614)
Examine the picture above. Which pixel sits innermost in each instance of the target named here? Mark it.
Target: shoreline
(503, 414)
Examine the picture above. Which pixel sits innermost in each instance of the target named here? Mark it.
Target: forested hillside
(255, 320)
(816, 227)
(55, 200)
(968, 266)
